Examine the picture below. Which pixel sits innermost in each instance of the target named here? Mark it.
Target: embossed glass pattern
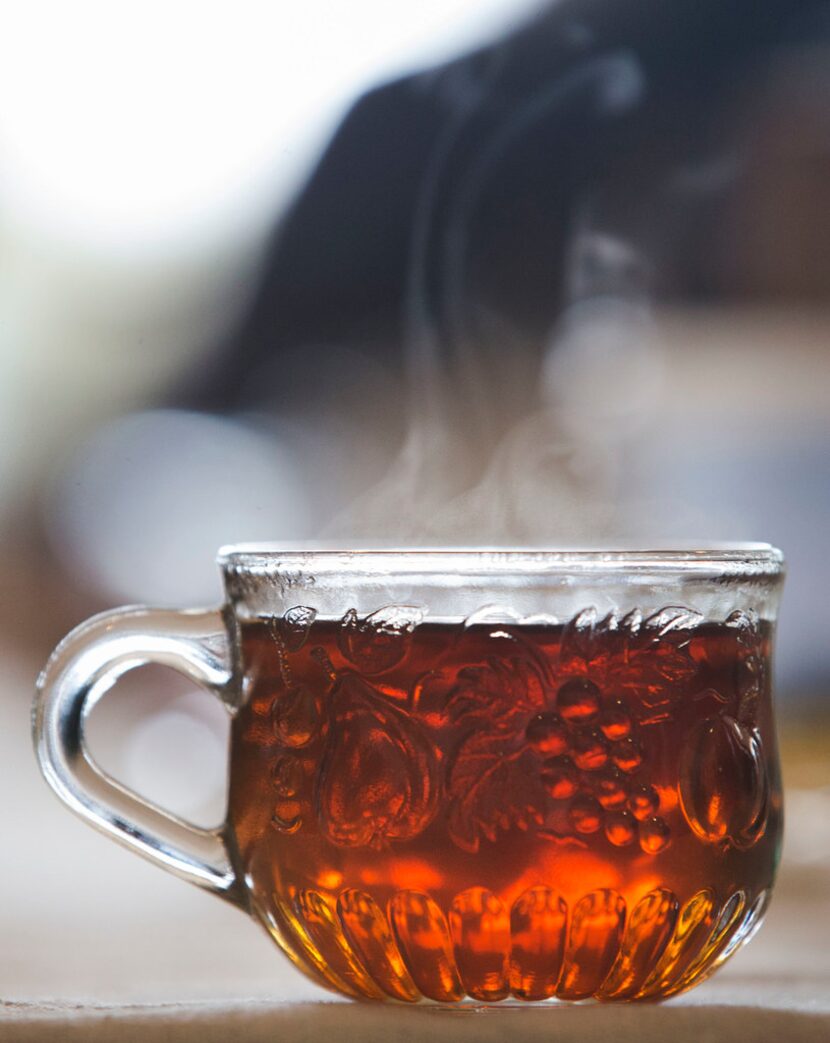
(492, 775)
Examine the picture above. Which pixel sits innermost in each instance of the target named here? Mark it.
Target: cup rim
(730, 558)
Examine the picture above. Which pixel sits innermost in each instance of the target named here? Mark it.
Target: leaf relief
(378, 778)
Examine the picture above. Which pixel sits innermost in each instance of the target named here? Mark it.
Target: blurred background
(459, 271)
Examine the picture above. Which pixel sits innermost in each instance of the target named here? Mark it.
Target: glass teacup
(464, 775)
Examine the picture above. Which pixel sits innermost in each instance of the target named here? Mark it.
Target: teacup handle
(81, 669)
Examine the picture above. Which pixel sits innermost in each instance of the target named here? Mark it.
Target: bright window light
(129, 126)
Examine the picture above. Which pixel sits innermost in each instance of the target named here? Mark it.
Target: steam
(509, 442)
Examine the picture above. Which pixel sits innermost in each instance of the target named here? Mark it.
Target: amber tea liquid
(485, 810)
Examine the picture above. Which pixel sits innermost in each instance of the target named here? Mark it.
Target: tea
(486, 808)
